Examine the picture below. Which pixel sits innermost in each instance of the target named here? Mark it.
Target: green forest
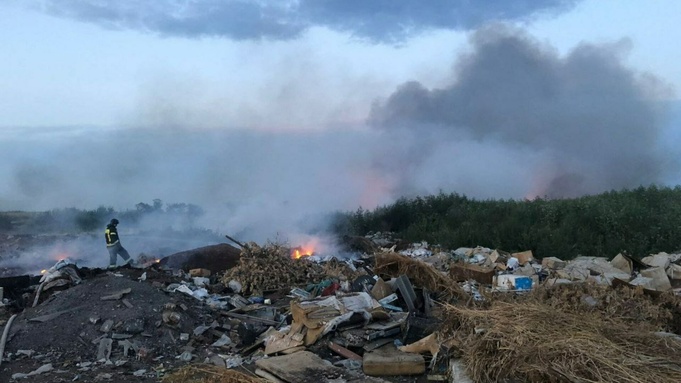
(641, 221)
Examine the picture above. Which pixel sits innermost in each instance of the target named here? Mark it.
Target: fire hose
(3, 340)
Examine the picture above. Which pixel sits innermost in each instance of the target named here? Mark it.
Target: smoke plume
(583, 123)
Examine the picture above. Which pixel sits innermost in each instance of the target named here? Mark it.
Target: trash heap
(463, 315)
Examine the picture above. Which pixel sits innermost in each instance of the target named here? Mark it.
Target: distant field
(13, 221)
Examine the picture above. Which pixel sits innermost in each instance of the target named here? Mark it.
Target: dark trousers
(117, 249)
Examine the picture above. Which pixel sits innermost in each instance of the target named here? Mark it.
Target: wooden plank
(461, 272)
(344, 352)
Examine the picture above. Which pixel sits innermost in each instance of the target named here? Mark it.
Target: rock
(107, 325)
(185, 356)
(216, 360)
(134, 326)
(171, 317)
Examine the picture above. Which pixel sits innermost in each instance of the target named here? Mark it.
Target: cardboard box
(463, 272)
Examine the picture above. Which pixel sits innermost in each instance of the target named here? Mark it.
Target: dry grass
(208, 373)
(540, 341)
(420, 274)
(626, 304)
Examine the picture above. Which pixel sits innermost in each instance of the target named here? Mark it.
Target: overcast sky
(268, 112)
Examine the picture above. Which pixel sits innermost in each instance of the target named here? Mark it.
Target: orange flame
(300, 252)
(43, 271)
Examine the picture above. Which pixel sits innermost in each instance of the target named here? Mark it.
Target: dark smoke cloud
(597, 121)
(380, 20)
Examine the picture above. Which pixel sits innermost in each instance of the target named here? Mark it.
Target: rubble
(469, 314)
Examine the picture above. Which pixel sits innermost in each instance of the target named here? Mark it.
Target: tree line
(72, 220)
(641, 221)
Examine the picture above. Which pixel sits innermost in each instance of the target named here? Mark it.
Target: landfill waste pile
(391, 313)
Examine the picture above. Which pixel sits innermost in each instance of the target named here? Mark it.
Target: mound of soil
(216, 258)
(66, 329)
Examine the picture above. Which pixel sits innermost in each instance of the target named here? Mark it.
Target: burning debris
(276, 267)
(282, 314)
(300, 252)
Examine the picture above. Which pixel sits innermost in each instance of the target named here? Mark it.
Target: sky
(270, 114)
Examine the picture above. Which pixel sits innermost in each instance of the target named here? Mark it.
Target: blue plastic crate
(523, 283)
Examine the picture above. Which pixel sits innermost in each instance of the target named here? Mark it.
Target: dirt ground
(70, 340)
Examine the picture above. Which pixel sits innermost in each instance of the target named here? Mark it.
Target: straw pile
(538, 342)
(208, 373)
(271, 268)
(420, 274)
(626, 304)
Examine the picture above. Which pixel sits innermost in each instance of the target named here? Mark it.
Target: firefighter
(113, 244)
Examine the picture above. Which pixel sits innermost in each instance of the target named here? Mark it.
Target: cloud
(389, 20)
(380, 20)
(596, 121)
